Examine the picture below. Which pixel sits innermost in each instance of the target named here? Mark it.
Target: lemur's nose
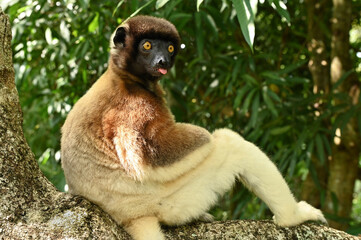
(162, 62)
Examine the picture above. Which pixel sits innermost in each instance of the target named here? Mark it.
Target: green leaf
(23, 9)
(255, 107)
(160, 3)
(172, 9)
(280, 130)
(297, 80)
(236, 69)
(118, 6)
(94, 23)
(320, 149)
(342, 78)
(344, 118)
(229, 89)
(199, 2)
(334, 202)
(84, 76)
(140, 9)
(326, 144)
(293, 163)
(64, 31)
(292, 67)
(84, 49)
(246, 11)
(269, 102)
(281, 9)
(248, 100)
(273, 95)
(309, 151)
(314, 176)
(240, 94)
(359, 121)
(213, 26)
(48, 36)
(250, 79)
(199, 36)
(271, 75)
(45, 157)
(84, 4)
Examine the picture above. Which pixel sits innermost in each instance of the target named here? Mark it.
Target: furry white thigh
(191, 195)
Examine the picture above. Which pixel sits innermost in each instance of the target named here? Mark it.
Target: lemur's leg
(194, 193)
(144, 228)
(262, 177)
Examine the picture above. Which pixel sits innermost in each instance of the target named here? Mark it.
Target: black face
(153, 59)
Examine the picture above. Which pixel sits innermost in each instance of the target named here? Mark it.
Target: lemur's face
(145, 47)
(154, 57)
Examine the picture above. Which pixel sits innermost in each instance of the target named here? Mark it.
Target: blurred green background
(249, 66)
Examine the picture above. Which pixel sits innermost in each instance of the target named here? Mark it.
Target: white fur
(187, 189)
(145, 228)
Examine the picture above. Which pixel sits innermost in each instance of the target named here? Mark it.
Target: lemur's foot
(303, 212)
(206, 217)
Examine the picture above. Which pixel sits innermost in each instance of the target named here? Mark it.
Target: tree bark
(318, 44)
(31, 208)
(339, 174)
(318, 15)
(344, 165)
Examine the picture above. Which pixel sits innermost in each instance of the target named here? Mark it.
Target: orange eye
(147, 45)
(170, 48)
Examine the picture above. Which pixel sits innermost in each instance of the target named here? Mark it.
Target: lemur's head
(145, 46)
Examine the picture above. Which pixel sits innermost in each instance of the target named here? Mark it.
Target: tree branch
(251, 229)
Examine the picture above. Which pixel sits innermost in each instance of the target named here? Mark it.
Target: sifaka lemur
(122, 149)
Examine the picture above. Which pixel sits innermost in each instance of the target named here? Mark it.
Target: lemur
(122, 149)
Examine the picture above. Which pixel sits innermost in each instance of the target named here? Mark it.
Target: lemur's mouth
(162, 70)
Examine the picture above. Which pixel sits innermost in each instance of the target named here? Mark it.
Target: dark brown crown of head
(141, 27)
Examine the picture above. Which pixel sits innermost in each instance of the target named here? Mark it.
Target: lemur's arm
(181, 147)
(164, 151)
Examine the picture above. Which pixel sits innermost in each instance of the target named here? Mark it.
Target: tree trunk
(319, 66)
(31, 208)
(326, 71)
(318, 44)
(344, 164)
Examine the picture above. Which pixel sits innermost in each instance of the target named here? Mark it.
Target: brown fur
(123, 121)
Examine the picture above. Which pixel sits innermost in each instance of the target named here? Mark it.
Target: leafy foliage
(242, 66)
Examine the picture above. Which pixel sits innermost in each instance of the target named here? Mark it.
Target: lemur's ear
(119, 37)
